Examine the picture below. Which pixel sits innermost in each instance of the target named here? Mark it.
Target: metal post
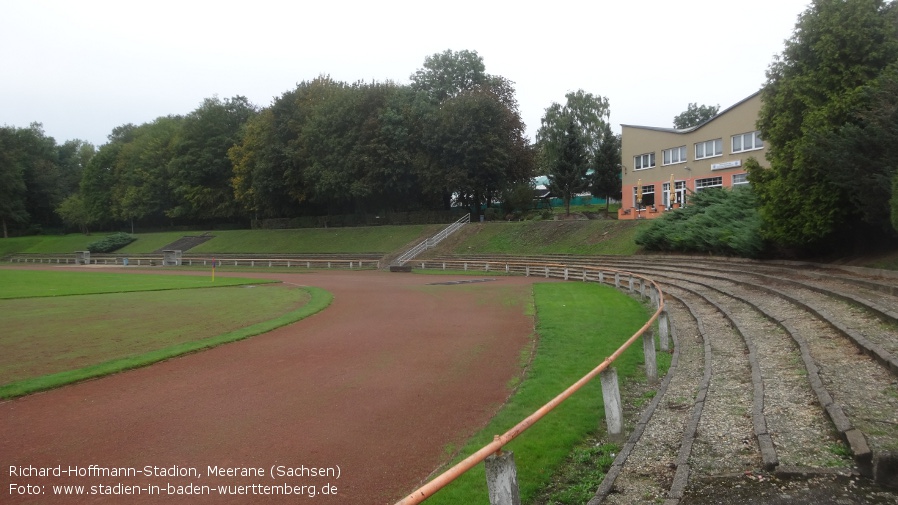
(614, 413)
(502, 479)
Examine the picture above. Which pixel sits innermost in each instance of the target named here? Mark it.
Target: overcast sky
(84, 67)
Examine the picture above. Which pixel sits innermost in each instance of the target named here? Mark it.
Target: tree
(606, 178)
(12, 181)
(74, 213)
(449, 73)
(589, 112)
(814, 92)
(695, 115)
(478, 147)
(200, 168)
(567, 174)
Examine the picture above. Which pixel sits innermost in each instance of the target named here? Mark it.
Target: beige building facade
(710, 155)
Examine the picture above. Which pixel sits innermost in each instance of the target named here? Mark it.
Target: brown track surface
(380, 383)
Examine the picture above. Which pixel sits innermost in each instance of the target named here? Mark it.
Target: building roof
(696, 127)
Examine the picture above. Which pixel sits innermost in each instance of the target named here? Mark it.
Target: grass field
(40, 283)
(579, 324)
(122, 321)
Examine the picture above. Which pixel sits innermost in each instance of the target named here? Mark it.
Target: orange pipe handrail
(442, 480)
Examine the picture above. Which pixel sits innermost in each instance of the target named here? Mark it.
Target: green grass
(149, 242)
(366, 239)
(369, 239)
(51, 341)
(579, 325)
(39, 283)
(551, 237)
(43, 244)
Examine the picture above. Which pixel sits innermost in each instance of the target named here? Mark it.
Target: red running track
(378, 384)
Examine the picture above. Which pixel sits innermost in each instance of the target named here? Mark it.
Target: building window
(710, 182)
(740, 179)
(644, 161)
(709, 149)
(675, 155)
(679, 193)
(648, 196)
(747, 142)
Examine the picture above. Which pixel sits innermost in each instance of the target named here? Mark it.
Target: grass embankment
(593, 237)
(55, 340)
(579, 325)
(369, 239)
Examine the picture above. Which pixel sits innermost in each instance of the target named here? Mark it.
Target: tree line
(452, 137)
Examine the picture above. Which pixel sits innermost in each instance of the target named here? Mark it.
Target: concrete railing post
(527, 271)
(614, 413)
(651, 361)
(642, 289)
(547, 272)
(631, 283)
(565, 273)
(664, 330)
(502, 479)
(617, 280)
(601, 277)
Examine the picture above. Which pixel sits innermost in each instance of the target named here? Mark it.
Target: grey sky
(84, 67)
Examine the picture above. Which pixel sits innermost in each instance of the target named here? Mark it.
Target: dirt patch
(376, 388)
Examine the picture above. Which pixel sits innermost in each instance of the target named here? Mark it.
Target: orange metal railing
(442, 480)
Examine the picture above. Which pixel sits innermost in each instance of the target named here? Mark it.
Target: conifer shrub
(717, 221)
(111, 243)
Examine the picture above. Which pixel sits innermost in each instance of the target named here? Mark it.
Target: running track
(379, 384)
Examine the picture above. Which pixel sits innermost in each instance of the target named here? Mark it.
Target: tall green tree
(695, 115)
(479, 147)
(567, 174)
(12, 181)
(606, 178)
(140, 190)
(590, 113)
(449, 73)
(200, 169)
(813, 91)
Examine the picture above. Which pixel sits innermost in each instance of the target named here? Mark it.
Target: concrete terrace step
(776, 364)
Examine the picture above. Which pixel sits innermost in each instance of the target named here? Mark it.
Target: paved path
(378, 384)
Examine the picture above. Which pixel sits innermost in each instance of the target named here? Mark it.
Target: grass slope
(579, 324)
(605, 236)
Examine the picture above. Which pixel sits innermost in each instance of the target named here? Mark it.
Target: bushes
(111, 243)
(716, 221)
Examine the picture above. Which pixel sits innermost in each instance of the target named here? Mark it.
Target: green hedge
(111, 243)
(716, 221)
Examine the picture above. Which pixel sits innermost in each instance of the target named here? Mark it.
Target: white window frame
(679, 188)
(743, 180)
(644, 161)
(667, 155)
(756, 142)
(716, 146)
(708, 182)
(647, 189)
